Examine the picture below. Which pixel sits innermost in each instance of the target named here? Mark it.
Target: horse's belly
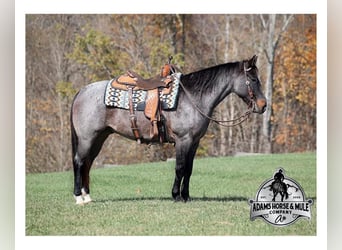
(120, 121)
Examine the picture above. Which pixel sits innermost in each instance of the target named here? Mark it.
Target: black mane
(202, 81)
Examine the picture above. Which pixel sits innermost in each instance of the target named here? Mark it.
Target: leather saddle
(132, 78)
(132, 81)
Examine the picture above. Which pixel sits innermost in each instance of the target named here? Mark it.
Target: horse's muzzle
(260, 106)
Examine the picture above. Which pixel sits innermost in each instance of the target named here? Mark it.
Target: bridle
(249, 89)
(234, 122)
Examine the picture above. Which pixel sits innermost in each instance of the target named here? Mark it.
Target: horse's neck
(207, 100)
(222, 88)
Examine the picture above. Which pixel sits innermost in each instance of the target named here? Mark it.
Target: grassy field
(136, 199)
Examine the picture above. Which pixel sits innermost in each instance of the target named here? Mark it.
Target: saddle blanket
(120, 98)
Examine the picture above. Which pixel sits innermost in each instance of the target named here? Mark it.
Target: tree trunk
(270, 49)
(225, 140)
(273, 38)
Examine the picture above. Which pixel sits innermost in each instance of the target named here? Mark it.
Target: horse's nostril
(262, 104)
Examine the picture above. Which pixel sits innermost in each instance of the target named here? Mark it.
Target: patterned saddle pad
(119, 98)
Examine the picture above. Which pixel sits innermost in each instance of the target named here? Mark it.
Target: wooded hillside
(66, 52)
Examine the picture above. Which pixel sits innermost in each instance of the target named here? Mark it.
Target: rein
(235, 122)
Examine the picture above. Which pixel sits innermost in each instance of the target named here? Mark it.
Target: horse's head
(249, 86)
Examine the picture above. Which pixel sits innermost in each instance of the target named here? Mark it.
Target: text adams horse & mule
(92, 121)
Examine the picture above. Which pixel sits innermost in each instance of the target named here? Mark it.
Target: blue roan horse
(92, 122)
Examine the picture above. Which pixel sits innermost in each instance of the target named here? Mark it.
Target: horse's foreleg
(178, 179)
(181, 154)
(185, 152)
(188, 171)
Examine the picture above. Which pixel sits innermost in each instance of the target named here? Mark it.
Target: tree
(273, 35)
(295, 88)
(47, 45)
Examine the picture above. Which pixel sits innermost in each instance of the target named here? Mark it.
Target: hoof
(79, 200)
(180, 198)
(82, 199)
(186, 199)
(177, 198)
(86, 199)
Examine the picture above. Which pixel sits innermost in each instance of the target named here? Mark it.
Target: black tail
(74, 138)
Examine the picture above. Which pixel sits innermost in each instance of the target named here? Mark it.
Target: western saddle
(132, 81)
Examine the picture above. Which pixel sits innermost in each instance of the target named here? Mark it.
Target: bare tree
(273, 35)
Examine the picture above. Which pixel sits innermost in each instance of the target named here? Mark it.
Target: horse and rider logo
(280, 201)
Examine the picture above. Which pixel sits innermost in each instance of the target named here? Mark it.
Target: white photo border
(24, 7)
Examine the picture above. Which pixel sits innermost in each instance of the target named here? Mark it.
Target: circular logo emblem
(280, 201)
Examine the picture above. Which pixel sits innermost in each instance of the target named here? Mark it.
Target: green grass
(136, 199)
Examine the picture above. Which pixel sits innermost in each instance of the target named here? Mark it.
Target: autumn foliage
(294, 111)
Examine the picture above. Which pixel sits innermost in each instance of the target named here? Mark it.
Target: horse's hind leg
(77, 181)
(87, 152)
(85, 180)
(81, 168)
(81, 180)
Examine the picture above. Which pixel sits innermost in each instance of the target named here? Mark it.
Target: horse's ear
(253, 60)
(251, 63)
